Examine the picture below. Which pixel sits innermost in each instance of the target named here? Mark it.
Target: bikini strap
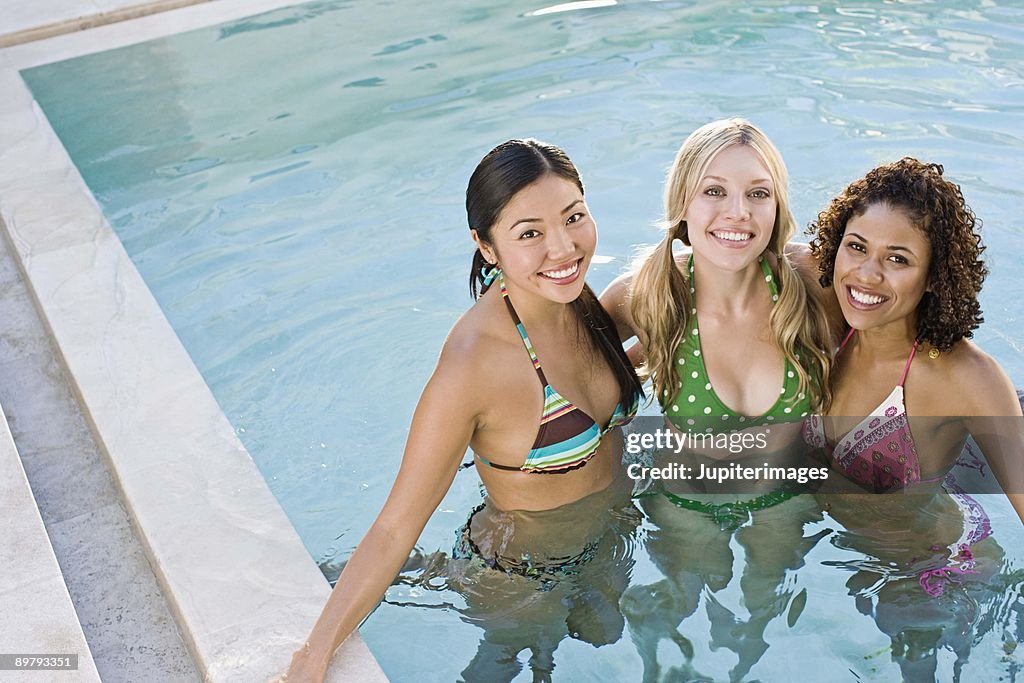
(766, 270)
(522, 330)
(906, 368)
(769, 277)
(909, 361)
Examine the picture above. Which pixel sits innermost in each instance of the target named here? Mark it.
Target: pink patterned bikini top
(879, 453)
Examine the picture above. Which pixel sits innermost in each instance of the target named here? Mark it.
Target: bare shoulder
(976, 382)
(805, 264)
(800, 255)
(968, 365)
(798, 250)
(616, 300)
(474, 345)
(617, 293)
(682, 258)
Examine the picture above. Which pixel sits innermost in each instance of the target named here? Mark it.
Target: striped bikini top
(567, 437)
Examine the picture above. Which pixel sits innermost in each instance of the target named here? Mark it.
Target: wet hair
(504, 172)
(950, 310)
(660, 301)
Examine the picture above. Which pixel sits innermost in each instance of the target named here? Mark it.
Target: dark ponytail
(605, 338)
(507, 169)
(476, 277)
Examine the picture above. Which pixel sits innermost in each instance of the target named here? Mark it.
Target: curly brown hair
(950, 309)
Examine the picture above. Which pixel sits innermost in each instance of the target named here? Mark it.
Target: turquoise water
(290, 186)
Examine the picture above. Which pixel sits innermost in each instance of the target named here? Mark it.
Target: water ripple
(284, 221)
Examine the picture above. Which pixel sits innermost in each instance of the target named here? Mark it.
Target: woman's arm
(806, 266)
(615, 299)
(997, 426)
(442, 427)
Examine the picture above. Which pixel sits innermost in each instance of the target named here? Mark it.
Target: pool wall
(241, 585)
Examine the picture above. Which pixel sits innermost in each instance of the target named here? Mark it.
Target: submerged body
(531, 224)
(900, 251)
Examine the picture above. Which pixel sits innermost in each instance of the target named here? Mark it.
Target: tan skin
(884, 256)
(734, 327)
(485, 394)
(736, 197)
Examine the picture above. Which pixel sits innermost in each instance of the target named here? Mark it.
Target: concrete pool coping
(30, 22)
(237, 578)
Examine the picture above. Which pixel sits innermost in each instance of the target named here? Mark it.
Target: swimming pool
(284, 221)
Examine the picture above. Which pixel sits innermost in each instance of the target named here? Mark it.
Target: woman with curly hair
(900, 249)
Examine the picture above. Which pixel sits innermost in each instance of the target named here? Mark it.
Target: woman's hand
(303, 668)
(442, 426)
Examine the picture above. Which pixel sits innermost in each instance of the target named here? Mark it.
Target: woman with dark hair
(900, 249)
(535, 343)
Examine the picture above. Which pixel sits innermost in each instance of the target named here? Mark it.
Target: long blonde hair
(660, 301)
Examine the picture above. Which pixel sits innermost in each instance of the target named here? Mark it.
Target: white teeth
(868, 299)
(733, 236)
(559, 274)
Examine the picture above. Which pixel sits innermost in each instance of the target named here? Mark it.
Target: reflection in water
(698, 531)
(730, 585)
(930, 575)
(694, 552)
(529, 579)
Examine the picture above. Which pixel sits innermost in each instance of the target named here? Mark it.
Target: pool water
(290, 186)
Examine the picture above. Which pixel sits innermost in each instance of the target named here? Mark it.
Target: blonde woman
(759, 351)
(733, 339)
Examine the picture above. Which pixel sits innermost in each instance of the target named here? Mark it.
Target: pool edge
(243, 588)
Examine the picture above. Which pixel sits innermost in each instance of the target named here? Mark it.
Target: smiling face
(731, 216)
(881, 269)
(543, 240)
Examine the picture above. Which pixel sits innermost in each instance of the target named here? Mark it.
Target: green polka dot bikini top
(697, 405)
